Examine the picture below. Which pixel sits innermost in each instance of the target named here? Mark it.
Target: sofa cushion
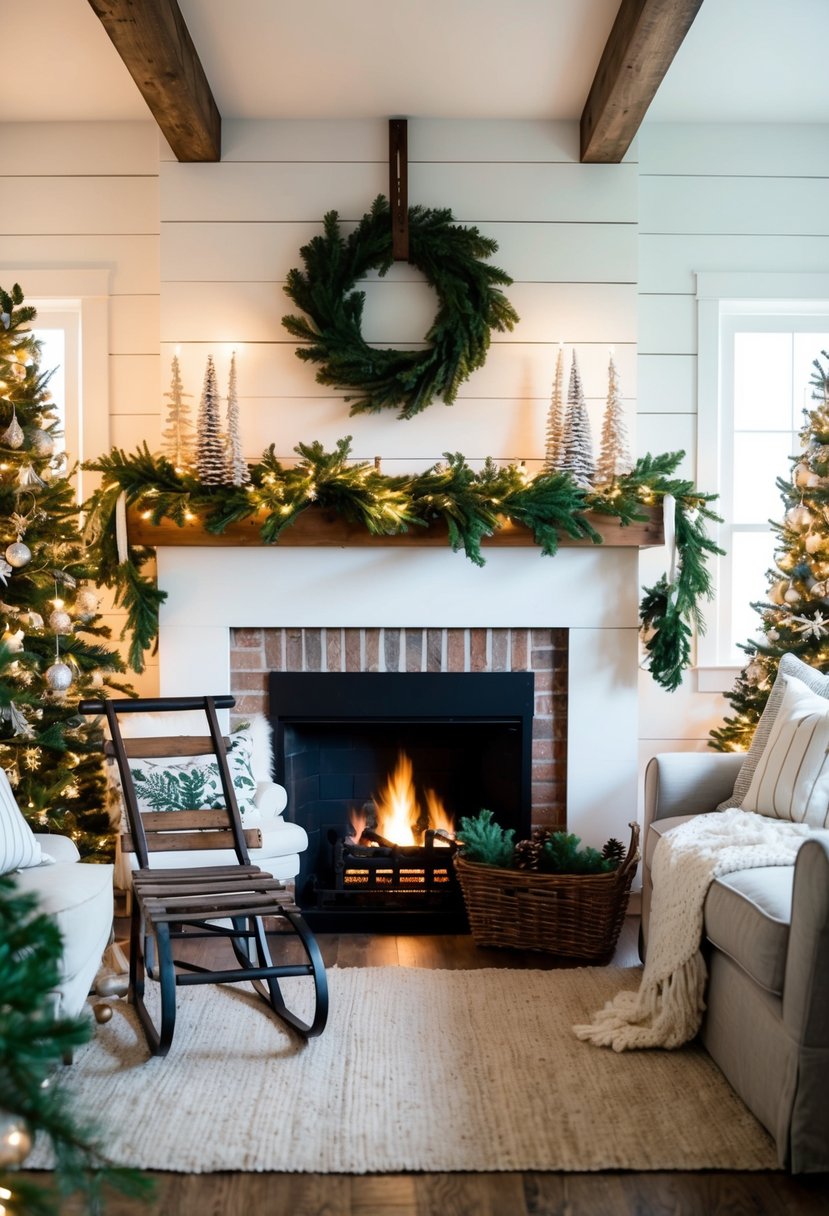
(185, 783)
(791, 780)
(789, 665)
(747, 916)
(18, 846)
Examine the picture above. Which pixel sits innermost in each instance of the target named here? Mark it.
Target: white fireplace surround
(593, 592)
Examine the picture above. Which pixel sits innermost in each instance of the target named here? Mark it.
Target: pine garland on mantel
(472, 504)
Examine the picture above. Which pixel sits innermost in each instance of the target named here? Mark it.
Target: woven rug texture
(417, 1070)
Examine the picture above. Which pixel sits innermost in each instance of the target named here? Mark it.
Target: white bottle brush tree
(180, 433)
(614, 450)
(577, 441)
(211, 457)
(237, 469)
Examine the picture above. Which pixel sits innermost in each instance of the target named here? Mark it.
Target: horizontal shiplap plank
(670, 262)
(667, 325)
(80, 205)
(131, 431)
(133, 325)
(658, 433)
(399, 312)
(667, 384)
(79, 149)
(428, 139)
(733, 205)
(725, 149)
(135, 384)
(476, 193)
(522, 369)
(256, 251)
(133, 261)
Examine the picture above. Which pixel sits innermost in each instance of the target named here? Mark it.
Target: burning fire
(400, 818)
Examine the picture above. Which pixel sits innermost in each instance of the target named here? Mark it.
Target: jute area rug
(417, 1070)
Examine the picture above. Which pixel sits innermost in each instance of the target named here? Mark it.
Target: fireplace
(339, 741)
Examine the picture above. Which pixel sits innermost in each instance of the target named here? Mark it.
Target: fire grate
(391, 876)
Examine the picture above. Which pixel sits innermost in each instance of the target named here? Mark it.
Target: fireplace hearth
(338, 742)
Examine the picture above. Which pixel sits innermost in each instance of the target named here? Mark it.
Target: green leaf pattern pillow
(192, 783)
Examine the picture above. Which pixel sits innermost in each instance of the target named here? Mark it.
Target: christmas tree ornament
(238, 473)
(86, 602)
(799, 518)
(13, 436)
(28, 478)
(778, 591)
(614, 451)
(814, 542)
(59, 677)
(555, 418)
(18, 371)
(18, 554)
(15, 1140)
(5, 571)
(211, 461)
(102, 1012)
(13, 641)
(577, 440)
(33, 620)
(40, 442)
(179, 434)
(792, 596)
(60, 621)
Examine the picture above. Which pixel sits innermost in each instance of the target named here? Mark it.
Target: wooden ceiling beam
(152, 38)
(646, 36)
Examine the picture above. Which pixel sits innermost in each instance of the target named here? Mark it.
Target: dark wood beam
(153, 40)
(646, 36)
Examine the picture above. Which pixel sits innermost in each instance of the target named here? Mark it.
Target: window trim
(720, 295)
(87, 291)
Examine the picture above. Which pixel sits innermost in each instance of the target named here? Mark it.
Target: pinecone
(613, 850)
(528, 852)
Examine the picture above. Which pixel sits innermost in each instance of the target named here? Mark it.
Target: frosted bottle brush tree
(211, 459)
(53, 647)
(577, 441)
(794, 616)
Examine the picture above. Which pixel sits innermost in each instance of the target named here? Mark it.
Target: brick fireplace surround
(254, 652)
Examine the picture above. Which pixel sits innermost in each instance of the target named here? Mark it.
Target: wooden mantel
(318, 528)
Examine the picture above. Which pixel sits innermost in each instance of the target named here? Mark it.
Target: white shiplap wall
(566, 234)
(711, 198)
(84, 196)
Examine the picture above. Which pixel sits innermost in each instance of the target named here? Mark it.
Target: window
(72, 324)
(758, 337)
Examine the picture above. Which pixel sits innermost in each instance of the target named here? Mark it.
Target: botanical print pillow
(192, 783)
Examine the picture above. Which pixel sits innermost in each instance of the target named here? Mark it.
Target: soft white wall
(84, 197)
(711, 198)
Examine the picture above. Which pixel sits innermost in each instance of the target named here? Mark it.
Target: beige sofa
(78, 897)
(767, 947)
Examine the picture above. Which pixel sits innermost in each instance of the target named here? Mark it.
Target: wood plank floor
(496, 1194)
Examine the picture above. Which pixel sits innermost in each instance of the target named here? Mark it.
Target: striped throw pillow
(791, 780)
(18, 848)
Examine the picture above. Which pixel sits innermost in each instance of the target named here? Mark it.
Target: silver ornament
(86, 602)
(41, 443)
(60, 621)
(33, 619)
(59, 677)
(13, 434)
(18, 554)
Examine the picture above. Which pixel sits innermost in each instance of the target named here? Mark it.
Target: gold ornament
(814, 542)
(799, 518)
(103, 1013)
(15, 1140)
(792, 596)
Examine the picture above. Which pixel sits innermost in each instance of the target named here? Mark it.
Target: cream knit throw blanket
(667, 1009)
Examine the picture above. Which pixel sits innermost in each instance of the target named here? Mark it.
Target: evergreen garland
(470, 305)
(33, 1043)
(472, 504)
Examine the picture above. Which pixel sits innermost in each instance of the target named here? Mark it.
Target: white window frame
(721, 298)
(82, 296)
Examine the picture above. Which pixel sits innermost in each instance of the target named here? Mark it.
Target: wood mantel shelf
(318, 528)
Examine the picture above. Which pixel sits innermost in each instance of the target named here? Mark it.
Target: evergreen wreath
(471, 305)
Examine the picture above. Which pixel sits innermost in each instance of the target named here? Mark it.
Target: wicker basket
(573, 915)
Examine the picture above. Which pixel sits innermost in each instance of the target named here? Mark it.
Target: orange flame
(399, 817)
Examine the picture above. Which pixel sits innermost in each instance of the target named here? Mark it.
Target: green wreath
(471, 305)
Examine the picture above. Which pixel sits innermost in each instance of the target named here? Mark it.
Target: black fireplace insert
(338, 743)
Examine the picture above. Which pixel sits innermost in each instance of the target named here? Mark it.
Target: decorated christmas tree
(180, 433)
(237, 469)
(52, 644)
(211, 458)
(614, 453)
(794, 617)
(555, 418)
(577, 440)
(34, 1091)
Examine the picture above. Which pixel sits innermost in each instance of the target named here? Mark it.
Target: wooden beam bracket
(399, 188)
